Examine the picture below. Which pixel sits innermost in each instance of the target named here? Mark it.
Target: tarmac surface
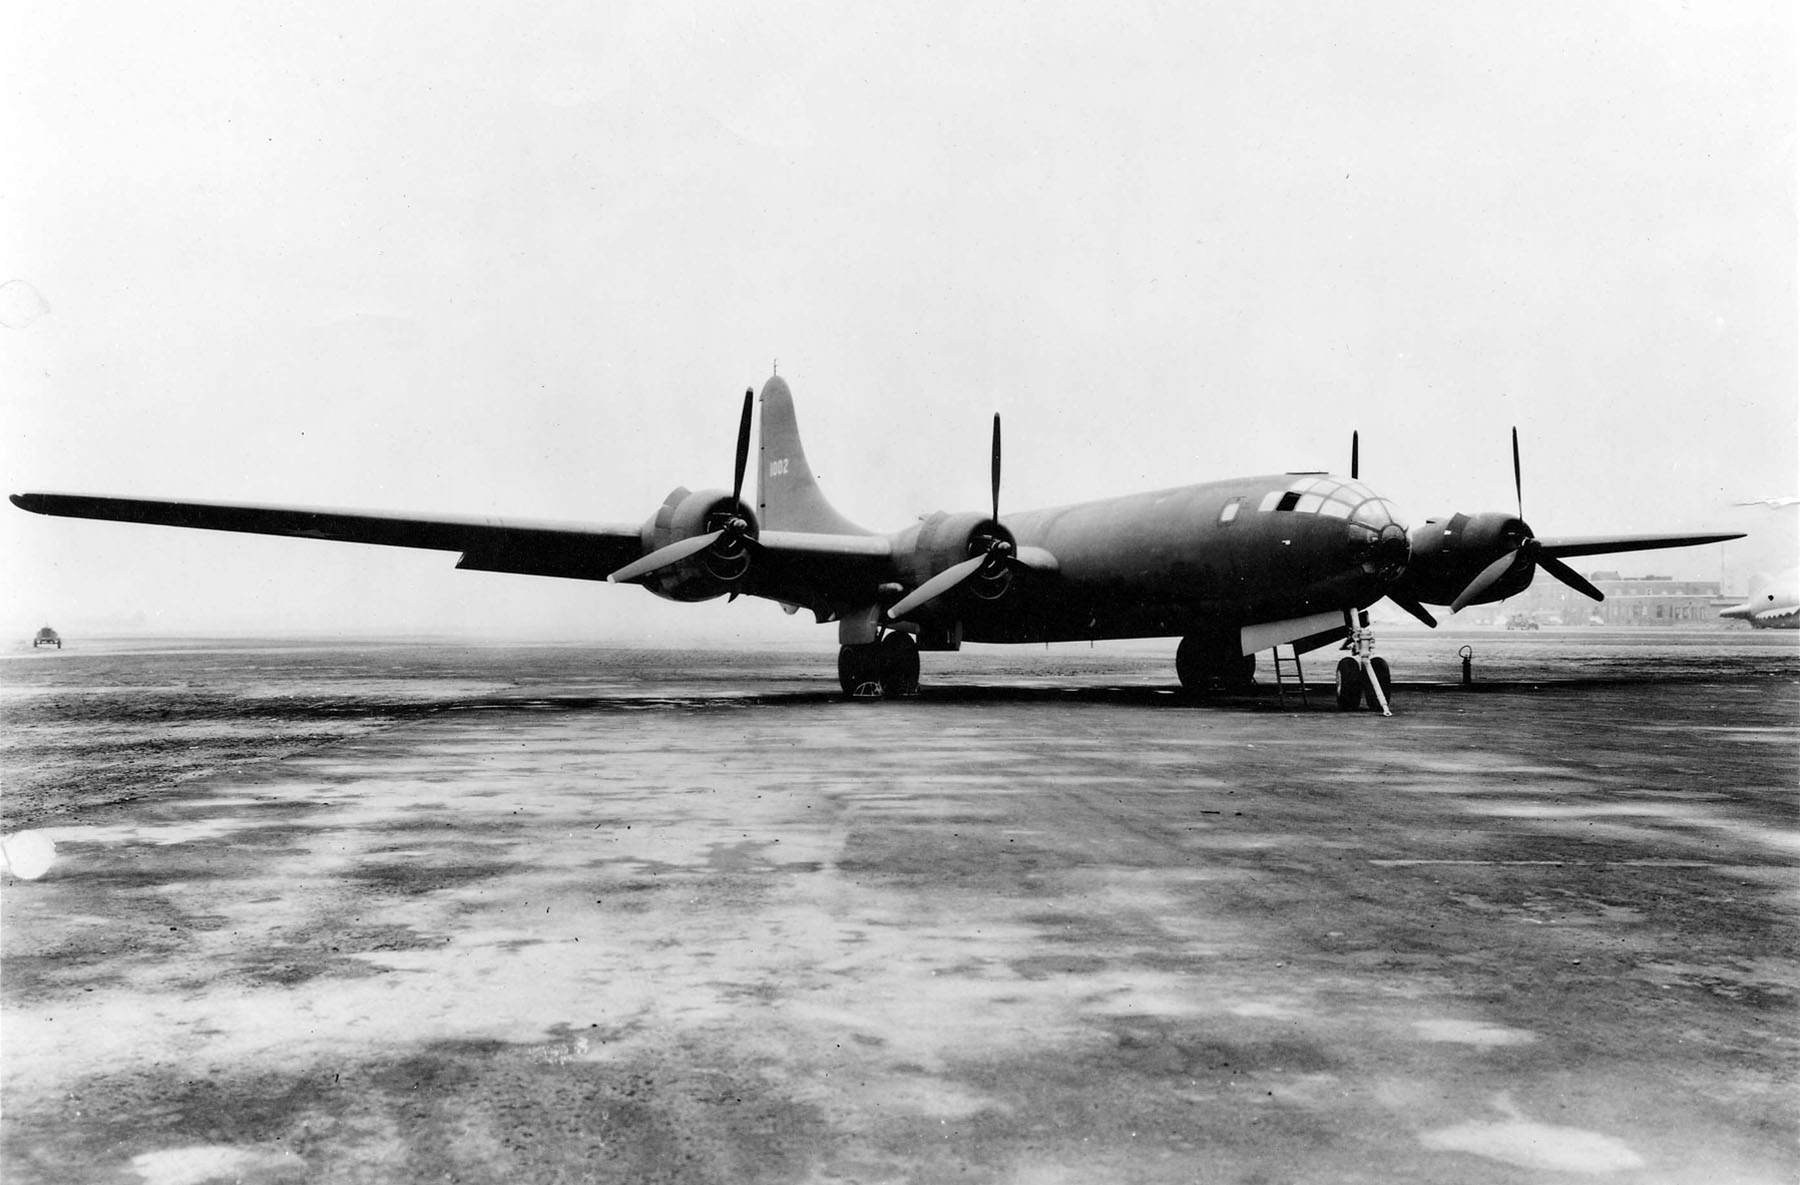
(415, 912)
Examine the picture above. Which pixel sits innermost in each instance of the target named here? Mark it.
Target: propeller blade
(1354, 442)
(1413, 607)
(662, 557)
(1569, 576)
(996, 467)
(1518, 484)
(1484, 581)
(936, 587)
(743, 448)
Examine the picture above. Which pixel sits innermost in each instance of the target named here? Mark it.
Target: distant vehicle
(46, 637)
(1774, 603)
(1521, 621)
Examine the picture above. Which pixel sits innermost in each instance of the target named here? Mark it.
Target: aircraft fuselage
(1200, 559)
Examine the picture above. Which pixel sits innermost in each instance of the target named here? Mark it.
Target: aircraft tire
(1204, 666)
(859, 666)
(1379, 667)
(899, 665)
(1349, 684)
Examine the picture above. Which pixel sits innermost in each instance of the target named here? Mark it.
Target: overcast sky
(522, 260)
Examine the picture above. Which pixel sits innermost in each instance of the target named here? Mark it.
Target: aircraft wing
(1607, 544)
(797, 565)
(580, 551)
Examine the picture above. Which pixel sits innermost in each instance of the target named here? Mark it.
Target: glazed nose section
(1379, 542)
(1393, 548)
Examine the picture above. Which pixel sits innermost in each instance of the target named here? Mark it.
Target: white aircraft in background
(1774, 602)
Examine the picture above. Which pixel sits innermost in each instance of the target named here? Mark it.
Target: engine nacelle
(1448, 553)
(714, 572)
(945, 540)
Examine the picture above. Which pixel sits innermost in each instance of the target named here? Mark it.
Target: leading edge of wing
(586, 551)
(1571, 545)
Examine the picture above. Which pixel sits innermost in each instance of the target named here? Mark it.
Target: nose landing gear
(1360, 674)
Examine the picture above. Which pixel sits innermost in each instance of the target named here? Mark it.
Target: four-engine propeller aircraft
(1230, 567)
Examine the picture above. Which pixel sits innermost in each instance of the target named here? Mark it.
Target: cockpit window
(1334, 497)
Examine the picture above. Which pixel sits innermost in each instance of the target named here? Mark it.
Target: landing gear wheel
(1349, 684)
(1379, 668)
(1191, 667)
(899, 665)
(859, 669)
(1203, 666)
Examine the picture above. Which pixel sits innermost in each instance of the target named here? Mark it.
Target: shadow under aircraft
(1229, 567)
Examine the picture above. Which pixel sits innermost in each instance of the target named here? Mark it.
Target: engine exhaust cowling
(706, 574)
(1449, 553)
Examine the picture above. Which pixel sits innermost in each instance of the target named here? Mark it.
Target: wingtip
(25, 501)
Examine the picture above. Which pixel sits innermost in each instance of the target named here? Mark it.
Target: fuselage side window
(1229, 511)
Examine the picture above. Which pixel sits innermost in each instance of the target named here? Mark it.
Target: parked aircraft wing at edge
(1774, 602)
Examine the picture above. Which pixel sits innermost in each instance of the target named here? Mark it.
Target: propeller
(1518, 482)
(1410, 604)
(1529, 549)
(1413, 606)
(733, 530)
(993, 563)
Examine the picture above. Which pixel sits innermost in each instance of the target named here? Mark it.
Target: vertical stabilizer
(788, 497)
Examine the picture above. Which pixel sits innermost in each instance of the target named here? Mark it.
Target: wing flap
(804, 543)
(1306, 633)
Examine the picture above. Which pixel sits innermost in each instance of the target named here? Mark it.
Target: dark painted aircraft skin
(1201, 559)
(1231, 567)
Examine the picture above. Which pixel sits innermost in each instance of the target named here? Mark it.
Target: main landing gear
(1360, 675)
(889, 667)
(1205, 665)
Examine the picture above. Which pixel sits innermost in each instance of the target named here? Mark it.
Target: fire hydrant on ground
(1468, 659)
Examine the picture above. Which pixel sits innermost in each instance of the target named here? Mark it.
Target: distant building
(1636, 601)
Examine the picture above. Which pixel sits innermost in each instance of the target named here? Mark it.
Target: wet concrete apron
(1504, 937)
